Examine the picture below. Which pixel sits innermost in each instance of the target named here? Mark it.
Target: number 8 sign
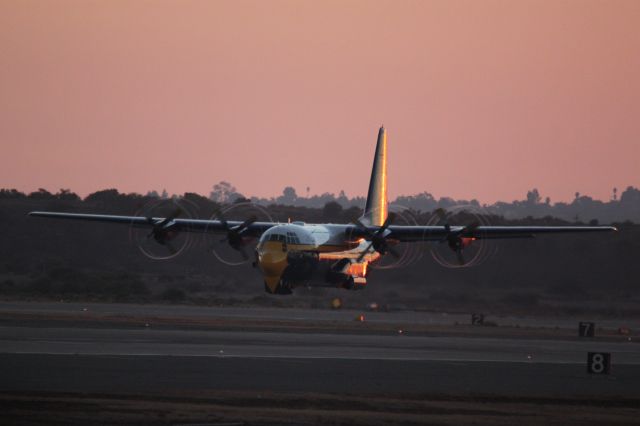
(598, 362)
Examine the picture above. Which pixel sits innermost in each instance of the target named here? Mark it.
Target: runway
(173, 375)
(148, 341)
(61, 363)
(294, 314)
(78, 358)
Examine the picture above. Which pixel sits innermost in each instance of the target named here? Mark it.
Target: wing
(437, 233)
(255, 229)
(396, 232)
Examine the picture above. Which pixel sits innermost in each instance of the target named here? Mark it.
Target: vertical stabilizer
(375, 212)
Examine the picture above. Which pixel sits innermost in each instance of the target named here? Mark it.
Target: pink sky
(481, 99)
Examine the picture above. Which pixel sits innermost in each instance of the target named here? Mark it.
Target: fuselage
(296, 254)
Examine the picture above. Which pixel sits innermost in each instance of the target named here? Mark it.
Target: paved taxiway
(50, 357)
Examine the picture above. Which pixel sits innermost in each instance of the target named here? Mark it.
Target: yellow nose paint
(272, 260)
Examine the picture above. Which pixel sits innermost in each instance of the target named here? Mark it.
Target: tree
(67, 195)
(200, 203)
(533, 196)
(223, 192)
(11, 193)
(288, 197)
(41, 194)
(352, 213)
(630, 196)
(332, 210)
(195, 198)
(342, 198)
(105, 196)
(440, 213)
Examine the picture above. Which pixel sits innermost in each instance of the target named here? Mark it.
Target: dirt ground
(308, 409)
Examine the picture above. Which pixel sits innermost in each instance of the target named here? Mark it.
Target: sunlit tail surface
(375, 211)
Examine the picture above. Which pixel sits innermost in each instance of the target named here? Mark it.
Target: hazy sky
(481, 99)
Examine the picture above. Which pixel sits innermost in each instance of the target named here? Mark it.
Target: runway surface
(55, 358)
(175, 375)
(249, 344)
(296, 314)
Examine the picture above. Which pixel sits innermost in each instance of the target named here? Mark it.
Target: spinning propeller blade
(379, 241)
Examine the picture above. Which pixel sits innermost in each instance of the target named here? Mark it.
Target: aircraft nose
(272, 260)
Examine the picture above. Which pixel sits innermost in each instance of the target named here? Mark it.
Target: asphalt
(299, 314)
(147, 341)
(176, 375)
(53, 358)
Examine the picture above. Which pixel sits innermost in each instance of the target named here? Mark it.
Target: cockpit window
(292, 238)
(276, 237)
(287, 234)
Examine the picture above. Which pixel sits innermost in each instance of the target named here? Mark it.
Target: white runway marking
(239, 344)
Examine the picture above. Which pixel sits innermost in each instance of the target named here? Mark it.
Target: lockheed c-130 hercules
(329, 255)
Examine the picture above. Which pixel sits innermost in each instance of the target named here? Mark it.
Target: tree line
(583, 209)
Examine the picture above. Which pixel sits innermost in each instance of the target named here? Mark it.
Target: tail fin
(375, 211)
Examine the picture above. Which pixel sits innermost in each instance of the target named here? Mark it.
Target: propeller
(407, 253)
(235, 236)
(165, 239)
(378, 240)
(162, 231)
(460, 239)
(468, 249)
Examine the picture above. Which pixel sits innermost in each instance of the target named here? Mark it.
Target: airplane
(295, 254)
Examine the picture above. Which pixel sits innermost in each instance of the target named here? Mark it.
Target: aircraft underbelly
(332, 264)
